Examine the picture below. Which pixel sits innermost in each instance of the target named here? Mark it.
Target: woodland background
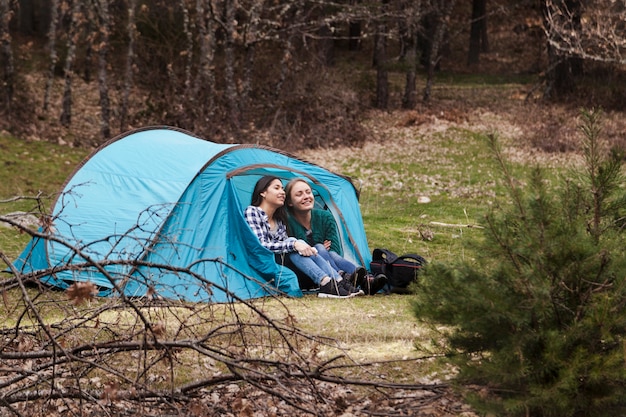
(290, 74)
(396, 93)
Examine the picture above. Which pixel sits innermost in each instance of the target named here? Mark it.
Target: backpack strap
(413, 257)
(382, 260)
(385, 255)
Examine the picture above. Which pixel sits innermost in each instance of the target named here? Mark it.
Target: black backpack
(400, 270)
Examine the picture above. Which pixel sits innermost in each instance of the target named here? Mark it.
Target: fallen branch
(473, 226)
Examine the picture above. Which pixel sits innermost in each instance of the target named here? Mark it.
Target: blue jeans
(315, 267)
(335, 260)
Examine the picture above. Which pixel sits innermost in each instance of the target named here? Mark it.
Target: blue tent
(158, 211)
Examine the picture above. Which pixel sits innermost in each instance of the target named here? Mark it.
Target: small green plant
(538, 320)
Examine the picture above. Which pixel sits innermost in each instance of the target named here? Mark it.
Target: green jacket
(323, 227)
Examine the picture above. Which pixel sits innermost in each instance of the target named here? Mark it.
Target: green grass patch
(27, 170)
(32, 167)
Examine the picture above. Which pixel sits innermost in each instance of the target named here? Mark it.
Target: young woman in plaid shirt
(267, 218)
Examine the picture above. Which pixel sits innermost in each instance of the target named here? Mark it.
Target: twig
(471, 226)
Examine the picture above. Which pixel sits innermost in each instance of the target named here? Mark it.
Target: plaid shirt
(277, 241)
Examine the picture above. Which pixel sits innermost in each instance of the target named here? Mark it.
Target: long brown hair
(288, 188)
(261, 186)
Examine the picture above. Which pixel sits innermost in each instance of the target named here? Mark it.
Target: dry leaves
(81, 292)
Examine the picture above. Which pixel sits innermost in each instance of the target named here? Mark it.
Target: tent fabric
(159, 212)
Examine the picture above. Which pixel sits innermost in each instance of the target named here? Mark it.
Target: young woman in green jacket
(318, 228)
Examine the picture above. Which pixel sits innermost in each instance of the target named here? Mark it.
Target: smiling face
(274, 194)
(300, 197)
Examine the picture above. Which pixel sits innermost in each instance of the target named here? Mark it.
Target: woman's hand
(304, 248)
(327, 244)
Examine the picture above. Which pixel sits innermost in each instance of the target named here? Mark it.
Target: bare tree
(189, 42)
(230, 89)
(593, 31)
(251, 36)
(479, 41)
(6, 52)
(131, 28)
(409, 27)
(75, 22)
(203, 92)
(288, 38)
(52, 33)
(104, 27)
(564, 65)
(202, 60)
(579, 31)
(76, 354)
(443, 9)
(380, 59)
(354, 29)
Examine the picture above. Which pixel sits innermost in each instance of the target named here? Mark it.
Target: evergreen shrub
(536, 324)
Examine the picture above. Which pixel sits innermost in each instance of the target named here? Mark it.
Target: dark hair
(257, 199)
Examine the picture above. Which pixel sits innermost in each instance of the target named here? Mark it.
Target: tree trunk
(409, 100)
(66, 111)
(287, 60)
(380, 61)
(229, 63)
(354, 31)
(33, 16)
(252, 37)
(285, 63)
(326, 44)
(103, 84)
(563, 68)
(408, 31)
(443, 16)
(478, 41)
(189, 48)
(204, 86)
(130, 58)
(88, 53)
(54, 21)
(425, 35)
(8, 70)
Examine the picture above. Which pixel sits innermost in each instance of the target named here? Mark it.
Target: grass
(30, 169)
(454, 169)
(449, 164)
